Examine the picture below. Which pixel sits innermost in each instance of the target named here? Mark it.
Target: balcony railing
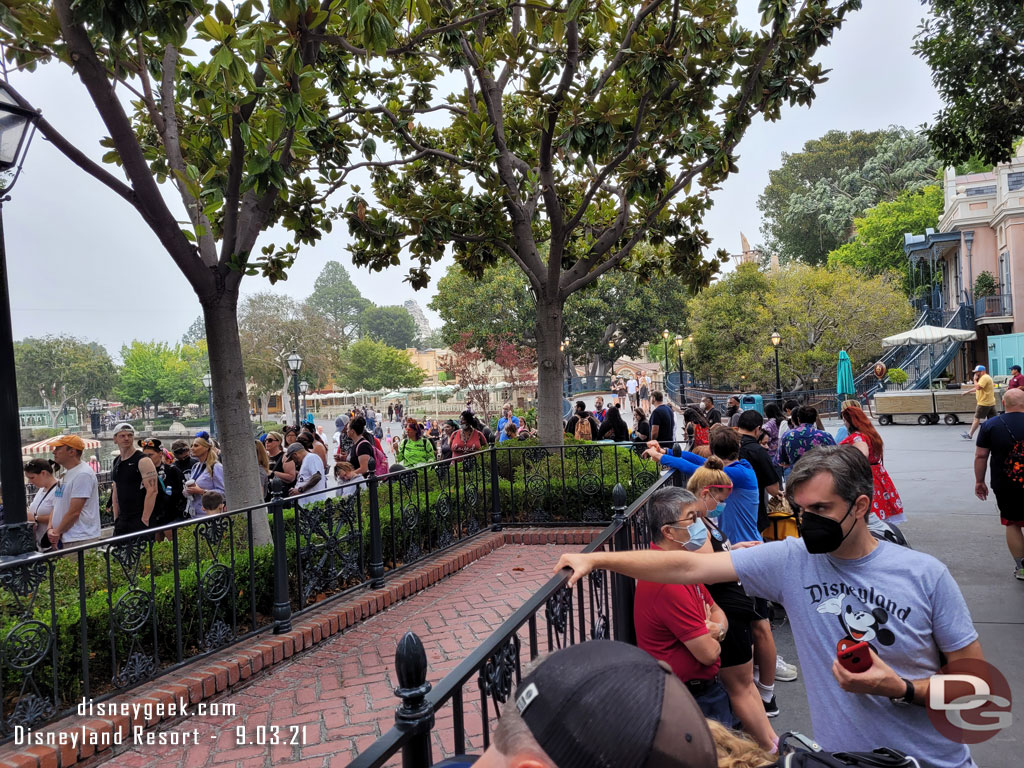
(1000, 305)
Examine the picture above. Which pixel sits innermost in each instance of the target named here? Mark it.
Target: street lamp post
(664, 337)
(294, 365)
(776, 340)
(303, 388)
(94, 416)
(679, 360)
(611, 354)
(208, 383)
(17, 537)
(567, 363)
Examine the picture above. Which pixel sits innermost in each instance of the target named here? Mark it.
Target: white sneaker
(785, 672)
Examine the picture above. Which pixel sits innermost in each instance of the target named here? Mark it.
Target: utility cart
(927, 406)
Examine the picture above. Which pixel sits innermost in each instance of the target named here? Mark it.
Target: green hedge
(531, 487)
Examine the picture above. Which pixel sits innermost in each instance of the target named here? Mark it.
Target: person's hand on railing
(580, 564)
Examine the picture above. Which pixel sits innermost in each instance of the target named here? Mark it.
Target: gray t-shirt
(903, 603)
(79, 482)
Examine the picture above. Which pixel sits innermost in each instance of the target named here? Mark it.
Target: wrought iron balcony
(991, 307)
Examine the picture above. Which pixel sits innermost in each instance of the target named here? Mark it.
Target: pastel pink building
(981, 230)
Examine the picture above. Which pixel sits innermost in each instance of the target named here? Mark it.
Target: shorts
(738, 645)
(1011, 506)
(983, 412)
(762, 608)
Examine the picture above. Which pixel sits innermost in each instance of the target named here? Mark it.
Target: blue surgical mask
(718, 510)
(698, 535)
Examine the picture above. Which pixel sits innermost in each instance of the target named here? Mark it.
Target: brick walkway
(342, 690)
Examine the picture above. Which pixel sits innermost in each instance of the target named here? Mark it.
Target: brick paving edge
(218, 675)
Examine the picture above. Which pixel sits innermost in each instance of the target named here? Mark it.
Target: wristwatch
(908, 696)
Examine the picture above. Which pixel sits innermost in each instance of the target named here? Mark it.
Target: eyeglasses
(273, 440)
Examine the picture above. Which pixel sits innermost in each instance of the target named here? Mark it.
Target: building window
(1004, 273)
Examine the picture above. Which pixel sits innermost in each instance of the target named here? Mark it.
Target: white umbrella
(394, 395)
(928, 334)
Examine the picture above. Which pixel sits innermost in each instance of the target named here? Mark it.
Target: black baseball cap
(605, 704)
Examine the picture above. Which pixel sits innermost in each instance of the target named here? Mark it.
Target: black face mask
(822, 534)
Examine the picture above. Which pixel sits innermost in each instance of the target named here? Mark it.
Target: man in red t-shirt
(1016, 380)
(680, 623)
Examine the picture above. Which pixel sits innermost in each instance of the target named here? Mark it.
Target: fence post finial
(415, 715)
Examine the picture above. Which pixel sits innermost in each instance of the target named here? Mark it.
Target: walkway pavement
(340, 696)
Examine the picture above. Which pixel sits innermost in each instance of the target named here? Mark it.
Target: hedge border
(218, 675)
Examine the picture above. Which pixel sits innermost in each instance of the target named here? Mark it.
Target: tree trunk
(231, 406)
(549, 371)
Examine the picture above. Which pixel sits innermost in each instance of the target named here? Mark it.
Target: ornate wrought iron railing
(95, 620)
(600, 606)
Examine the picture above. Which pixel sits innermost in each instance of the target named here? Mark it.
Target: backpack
(583, 430)
(379, 457)
(797, 751)
(1013, 464)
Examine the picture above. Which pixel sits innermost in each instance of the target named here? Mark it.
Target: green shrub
(898, 376)
(571, 484)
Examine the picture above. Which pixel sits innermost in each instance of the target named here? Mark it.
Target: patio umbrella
(845, 387)
(43, 446)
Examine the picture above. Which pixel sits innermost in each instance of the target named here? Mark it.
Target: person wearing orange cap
(76, 509)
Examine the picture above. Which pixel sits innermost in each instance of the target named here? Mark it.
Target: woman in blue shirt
(738, 519)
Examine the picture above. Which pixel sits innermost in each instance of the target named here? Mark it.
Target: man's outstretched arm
(653, 565)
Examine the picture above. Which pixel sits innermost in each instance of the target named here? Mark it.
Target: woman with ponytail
(885, 502)
(712, 486)
(42, 474)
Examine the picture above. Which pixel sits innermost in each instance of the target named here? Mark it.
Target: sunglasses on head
(149, 444)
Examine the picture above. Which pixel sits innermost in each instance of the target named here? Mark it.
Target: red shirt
(666, 616)
(1016, 382)
(461, 447)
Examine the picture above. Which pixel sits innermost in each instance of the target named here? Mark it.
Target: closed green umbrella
(845, 387)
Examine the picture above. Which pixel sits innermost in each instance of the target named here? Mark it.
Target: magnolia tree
(237, 107)
(563, 135)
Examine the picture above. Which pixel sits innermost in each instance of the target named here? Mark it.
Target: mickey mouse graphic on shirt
(859, 626)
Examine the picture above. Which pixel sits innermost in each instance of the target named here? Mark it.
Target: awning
(43, 446)
(928, 334)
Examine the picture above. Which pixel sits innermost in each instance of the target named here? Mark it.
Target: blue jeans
(714, 703)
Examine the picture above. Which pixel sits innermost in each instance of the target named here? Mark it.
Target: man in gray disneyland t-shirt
(903, 603)
(841, 586)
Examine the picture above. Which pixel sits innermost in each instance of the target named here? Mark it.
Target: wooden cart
(927, 407)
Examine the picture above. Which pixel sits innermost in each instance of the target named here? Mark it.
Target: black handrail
(497, 659)
(152, 607)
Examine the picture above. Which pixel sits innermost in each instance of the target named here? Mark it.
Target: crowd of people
(705, 584)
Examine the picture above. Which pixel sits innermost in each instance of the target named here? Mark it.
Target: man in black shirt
(574, 420)
(663, 421)
(1002, 438)
(749, 426)
(712, 414)
(134, 488)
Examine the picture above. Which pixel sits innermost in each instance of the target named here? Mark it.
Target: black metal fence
(600, 607)
(94, 620)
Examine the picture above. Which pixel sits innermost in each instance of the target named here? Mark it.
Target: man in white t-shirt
(631, 390)
(311, 477)
(76, 508)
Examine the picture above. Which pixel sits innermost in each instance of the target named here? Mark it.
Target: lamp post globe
(295, 365)
(679, 362)
(303, 388)
(17, 536)
(776, 340)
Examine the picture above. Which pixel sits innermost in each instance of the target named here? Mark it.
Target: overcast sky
(81, 261)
